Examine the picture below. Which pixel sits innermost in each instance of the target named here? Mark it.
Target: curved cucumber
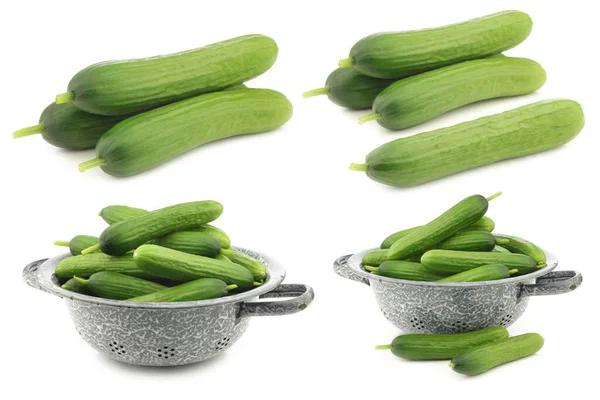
(256, 267)
(432, 155)
(86, 266)
(127, 235)
(490, 272)
(200, 289)
(500, 249)
(401, 54)
(66, 126)
(116, 213)
(348, 88)
(517, 245)
(420, 346)
(450, 262)
(469, 241)
(149, 139)
(484, 357)
(78, 243)
(113, 285)
(129, 86)
(460, 216)
(190, 242)
(179, 266)
(74, 286)
(408, 270)
(417, 99)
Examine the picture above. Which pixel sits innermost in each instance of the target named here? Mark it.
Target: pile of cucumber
(472, 353)
(167, 255)
(411, 77)
(141, 113)
(457, 246)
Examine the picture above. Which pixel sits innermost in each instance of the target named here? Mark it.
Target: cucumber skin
(489, 272)
(190, 242)
(256, 267)
(487, 356)
(400, 54)
(458, 217)
(154, 137)
(113, 285)
(500, 249)
(80, 243)
(450, 262)
(127, 235)
(179, 266)
(432, 155)
(469, 241)
(417, 99)
(86, 266)
(375, 257)
(348, 88)
(129, 86)
(522, 246)
(200, 289)
(73, 286)
(420, 346)
(407, 270)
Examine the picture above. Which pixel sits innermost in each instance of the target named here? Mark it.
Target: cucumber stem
(61, 243)
(226, 252)
(82, 281)
(371, 269)
(502, 241)
(359, 167)
(452, 365)
(315, 92)
(91, 249)
(513, 271)
(94, 162)
(66, 97)
(256, 284)
(232, 287)
(30, 130)
(384, 347)
(492, 197)
(346, 62)
(369, 117)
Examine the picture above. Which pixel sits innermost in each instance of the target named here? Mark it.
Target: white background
(290, 194)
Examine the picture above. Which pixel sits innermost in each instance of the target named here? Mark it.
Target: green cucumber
(179, 266)
(521, 246)
(500, 249)
(469, 241)
(85, 266)
(432, 155)
(348, 88)
(191, 242)
(256, 267)
(489, 272)
(73, 286)
(200, 289)
(127, 235)
(149, 139)
(129, 86)
(484, 357)
(222, 258)
(450, 262)
(417, 99)
(407, 270)
(78, 243)
(457, 218)
(395, 55)
(375, 257)
(113, 285)
(484, 224)
(217, 233)
(66, 126)
(419, 346)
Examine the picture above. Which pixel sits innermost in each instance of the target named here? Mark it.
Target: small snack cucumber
(432, 155)
(417, 99)
(74, 286)
(129, 86)
(500, 249)
(199, 243)
(127, 235)
(450, 262)
(419, 346)
(85, 266)
(489, 272)
(395, 55)
(149, 139)
(469, 241)
(113, 285)
(78, 243)
(457, 218)
(375, 257)
(517, 245)
(200, 289)
(66, 126)
(179, 266)
(407, 270)
(348, 88)
(484, 357)
(256, 267)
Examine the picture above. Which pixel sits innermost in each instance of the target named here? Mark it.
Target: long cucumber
(489, 272)
(85, 266)
(113, 285)
(191, 242)
(407, 270)
(450, 262)
(200, 289)
(517, 245)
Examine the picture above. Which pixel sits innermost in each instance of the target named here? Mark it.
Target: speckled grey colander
(166, 334)
(430, 307)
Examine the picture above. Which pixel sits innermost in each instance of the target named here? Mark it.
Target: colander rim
(275, 275)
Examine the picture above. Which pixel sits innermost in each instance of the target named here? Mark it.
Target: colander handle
(299, 297)
(340, 267)
(556, 282)
(30, 274)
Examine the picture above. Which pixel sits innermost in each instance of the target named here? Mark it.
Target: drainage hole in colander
(223, 343)
(164, 352)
